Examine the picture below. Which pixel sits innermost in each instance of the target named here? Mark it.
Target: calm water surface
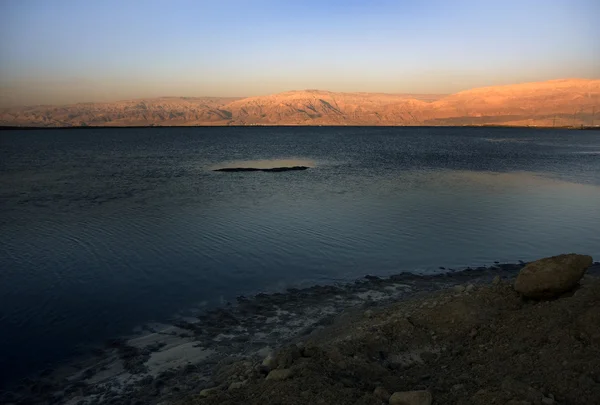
(103, 230)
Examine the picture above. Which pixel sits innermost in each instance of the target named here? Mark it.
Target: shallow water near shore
(105, 230)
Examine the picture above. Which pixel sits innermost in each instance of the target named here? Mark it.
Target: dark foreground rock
(254, 169)
(552, 276)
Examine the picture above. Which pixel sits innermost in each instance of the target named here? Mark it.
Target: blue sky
(63, 51)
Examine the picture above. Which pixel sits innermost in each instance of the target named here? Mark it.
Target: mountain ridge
(560, 102)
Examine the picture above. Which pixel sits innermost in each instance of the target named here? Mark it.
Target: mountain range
(565, 102)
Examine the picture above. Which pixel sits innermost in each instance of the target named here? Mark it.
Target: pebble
(259, 368)
(469, 288)
(208, 391)
(236, 385)
(411, 398)
(458, 288)
(382, 394)
(270, 361)
(265, 351)
(279, 374)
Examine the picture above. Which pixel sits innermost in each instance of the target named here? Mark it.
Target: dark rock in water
(254, 169)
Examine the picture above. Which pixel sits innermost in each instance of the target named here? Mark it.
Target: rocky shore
(468, 337)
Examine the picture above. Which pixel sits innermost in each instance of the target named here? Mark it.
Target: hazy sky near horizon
(58, 51)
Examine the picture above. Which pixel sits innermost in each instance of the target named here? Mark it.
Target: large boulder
(551, 276)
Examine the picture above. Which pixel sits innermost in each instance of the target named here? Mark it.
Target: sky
(63, 51)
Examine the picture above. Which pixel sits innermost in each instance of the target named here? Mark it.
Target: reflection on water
(265, 163)
(505, 181)
(512, 140)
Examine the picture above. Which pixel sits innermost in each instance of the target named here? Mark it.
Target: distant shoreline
(580, 128)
